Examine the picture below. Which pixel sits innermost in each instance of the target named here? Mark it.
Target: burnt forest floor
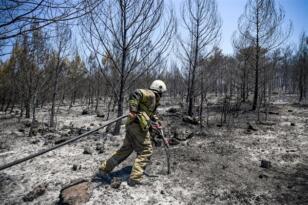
(214, 165)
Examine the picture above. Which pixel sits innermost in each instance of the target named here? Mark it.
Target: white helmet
(159, 86)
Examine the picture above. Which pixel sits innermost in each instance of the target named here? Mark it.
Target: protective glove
(156, 128)
(156, 125)
(132, 115)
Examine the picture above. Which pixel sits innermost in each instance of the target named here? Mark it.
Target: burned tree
(261, 24)
(17, 16)
(118, 31)
(201, 20)
(57, 63)
(302, 67)
(243, 54)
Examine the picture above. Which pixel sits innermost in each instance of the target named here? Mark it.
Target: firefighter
(142, 108)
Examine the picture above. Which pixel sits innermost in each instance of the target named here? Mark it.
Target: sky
(230, 11)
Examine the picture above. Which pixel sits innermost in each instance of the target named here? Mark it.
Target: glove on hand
(156, 125)
(132, 115)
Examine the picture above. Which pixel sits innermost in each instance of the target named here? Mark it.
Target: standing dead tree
(243, 54)
(285, 72)
(75, 75)
(201, 20)
(118, 31)
(57, 63)
(31, 56)
(302, 67)
(261, 24)
(32, 66)
(17, 16)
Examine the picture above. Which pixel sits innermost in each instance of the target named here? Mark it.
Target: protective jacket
(144, 103)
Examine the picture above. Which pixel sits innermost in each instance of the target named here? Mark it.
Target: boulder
(21, 130)
(87, 150)
(35, 193)
(100, 148)
(34, 132)
(27, 123)
(35, 141)
(190, 120)
(85, 112)
(172, 110)
(263, 176)
(76, 194)
(251, 127)
(100, 114)
(76, 167)
(265, 164)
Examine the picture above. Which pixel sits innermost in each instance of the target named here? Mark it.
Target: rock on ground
(87, 150)
(265, 164)
(116, 183)
(85, 112)
(76, 194)
(35, 193)
(172, 110)
(100, 114)
(190, 120)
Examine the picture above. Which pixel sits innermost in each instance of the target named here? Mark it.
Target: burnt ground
(217, 165)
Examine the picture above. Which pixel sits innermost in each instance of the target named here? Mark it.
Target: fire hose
(158, 130)
(18, 161)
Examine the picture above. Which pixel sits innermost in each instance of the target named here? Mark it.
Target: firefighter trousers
(135, 140)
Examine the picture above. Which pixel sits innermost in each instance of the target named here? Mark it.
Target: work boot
(101, 175)
(134, 183)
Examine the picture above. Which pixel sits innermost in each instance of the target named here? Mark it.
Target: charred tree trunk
(256, 89)
(124, 53)
(54, 94)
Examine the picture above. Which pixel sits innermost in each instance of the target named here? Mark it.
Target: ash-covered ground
(213, 165)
